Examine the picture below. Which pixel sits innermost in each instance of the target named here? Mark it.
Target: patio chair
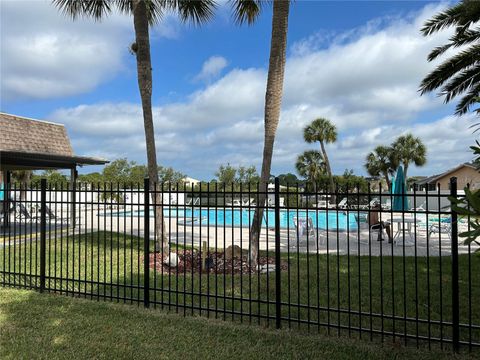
(304, 230)
(444, 227)
(365, 231)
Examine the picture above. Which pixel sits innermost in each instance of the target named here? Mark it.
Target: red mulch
(216, 263)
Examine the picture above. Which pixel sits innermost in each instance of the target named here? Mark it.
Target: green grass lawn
(47, 326)
(401, 289)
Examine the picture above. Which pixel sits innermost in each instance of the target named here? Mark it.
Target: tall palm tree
(459, 74)
(311, 165)
(408, 149)
(247, 11)
(381, 162)
(145, 13)
(323, 131)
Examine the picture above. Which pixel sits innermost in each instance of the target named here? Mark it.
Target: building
(190, 181)
(465, 173)
(29, 144)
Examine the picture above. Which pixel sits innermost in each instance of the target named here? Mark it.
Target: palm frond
(449, 68)
(246, 11)
(457, 40)
(468, 100)
(442, 20)
(461, 83)
(196, 11)
(461, 15)
(96, 9)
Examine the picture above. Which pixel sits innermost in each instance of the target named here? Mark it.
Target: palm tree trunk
(144, 73)
(329, 170)
(405, 171)
(389, 185)
(273, 102)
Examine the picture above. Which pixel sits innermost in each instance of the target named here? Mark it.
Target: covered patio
(29, 144)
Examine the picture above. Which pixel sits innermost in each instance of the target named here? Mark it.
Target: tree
(145, 13)
(94, 178)
(311, 165)
(323, 131)
(408, 149)
(381, 162)
(137, 175)
(247, 11)
(23, 177)
(247, 175)
(54, 177)
(288, 179)
(226, 175)
(460, 73)
(118, 171)
(170, 176)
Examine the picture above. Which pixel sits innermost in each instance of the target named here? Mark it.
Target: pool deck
(193, 234)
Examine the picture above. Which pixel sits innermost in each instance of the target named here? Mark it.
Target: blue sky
(357, 63)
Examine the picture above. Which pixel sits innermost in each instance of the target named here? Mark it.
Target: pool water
(243, 217)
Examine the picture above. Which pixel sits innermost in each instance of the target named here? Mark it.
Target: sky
(357, 63)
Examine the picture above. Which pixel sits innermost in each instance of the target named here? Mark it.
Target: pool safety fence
(367, 264)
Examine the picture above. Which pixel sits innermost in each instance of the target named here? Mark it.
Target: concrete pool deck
(193, 234)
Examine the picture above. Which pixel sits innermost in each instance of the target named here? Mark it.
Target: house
(465, 173)
(190, 181)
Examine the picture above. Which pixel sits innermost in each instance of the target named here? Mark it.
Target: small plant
(470, 206)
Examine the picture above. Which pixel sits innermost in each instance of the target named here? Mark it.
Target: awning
(12, 160)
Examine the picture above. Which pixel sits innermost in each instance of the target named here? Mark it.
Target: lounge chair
(443, 227)
(369, 205)
(421, 207)
(387, 205)
(343, 204)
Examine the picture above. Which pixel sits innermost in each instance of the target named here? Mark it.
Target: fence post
(43, 229)
(146, 243)
(278, 270)
(455, 296)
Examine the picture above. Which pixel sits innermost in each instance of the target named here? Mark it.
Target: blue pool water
(243, 217)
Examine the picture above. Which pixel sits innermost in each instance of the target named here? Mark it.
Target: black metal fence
(343, 262)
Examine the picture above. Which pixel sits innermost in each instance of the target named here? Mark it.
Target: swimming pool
(243, 217)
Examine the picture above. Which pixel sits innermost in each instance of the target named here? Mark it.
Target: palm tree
(145, 13)
(459, 74)
(311, 165)
(408, 149)
(323, 131)
(247, 11)
(23, 177)
(381, 162)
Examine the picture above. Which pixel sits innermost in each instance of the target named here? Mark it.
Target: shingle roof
(25, 135)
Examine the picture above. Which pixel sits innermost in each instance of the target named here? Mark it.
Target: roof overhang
(13, 160)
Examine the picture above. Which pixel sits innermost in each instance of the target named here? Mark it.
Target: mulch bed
(190, 260)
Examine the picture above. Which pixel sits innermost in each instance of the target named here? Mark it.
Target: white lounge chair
(371, 204)
(343, 204)
(420, 207)
(444, 227)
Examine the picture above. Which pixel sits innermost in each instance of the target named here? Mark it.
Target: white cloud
(366, 82)
(47, 55)
(212, 68)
